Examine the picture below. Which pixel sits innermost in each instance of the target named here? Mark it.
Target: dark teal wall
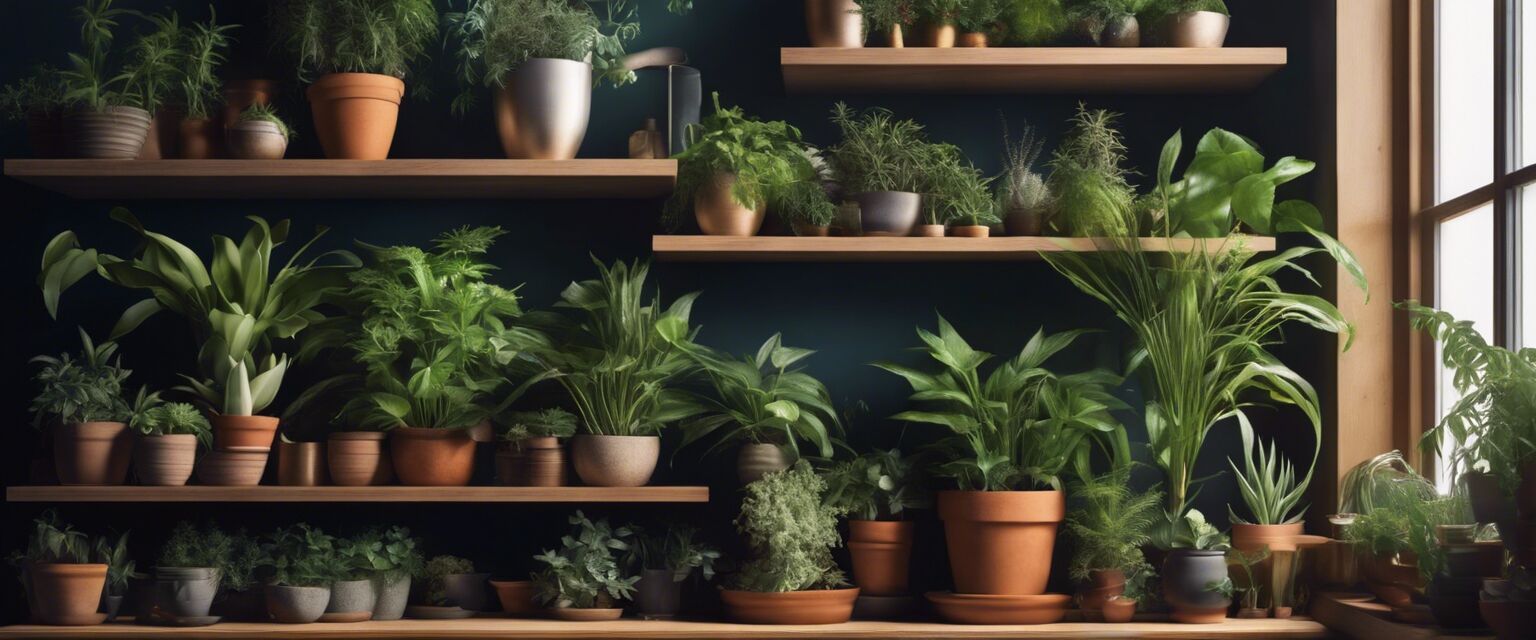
(851, 313)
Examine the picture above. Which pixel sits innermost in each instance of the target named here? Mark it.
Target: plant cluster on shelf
(1017, 23)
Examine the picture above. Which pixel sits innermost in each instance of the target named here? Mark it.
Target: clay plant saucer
(572, 614)
(423, 612)
(964, 608)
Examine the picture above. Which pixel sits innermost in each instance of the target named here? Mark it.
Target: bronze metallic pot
(301, 464)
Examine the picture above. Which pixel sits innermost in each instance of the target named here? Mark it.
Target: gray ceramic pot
(657, 595)
(543, 107)
(757, 460)
(115, 133)
(889, 213)
(1122, 31)
(470, 591)
(615, 461)
(391, 597)
(350, 596)
(297, 605)
(185, 592)
(1187, 576)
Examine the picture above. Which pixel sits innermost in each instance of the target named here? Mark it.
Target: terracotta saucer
(84, 620)
(965, 608)
(422, 612)
(585, 615)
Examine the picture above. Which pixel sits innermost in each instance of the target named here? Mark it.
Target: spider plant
(763, 399)
(1267, 482)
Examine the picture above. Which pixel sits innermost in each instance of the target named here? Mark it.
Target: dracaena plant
(87, 389)
(1023, 425)
(879, 485)
(586, 572)
(763, 399)
(243, 308)
(1267, 482)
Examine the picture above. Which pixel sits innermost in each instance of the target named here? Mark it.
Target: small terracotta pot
(164, 136)
(533, 462)
(516, 597)
(45, 134)
(972, 41)
(939, 35)
(806, 230)
(358, 459)
(970, 231)
(243, 434)
(931, 230)
(1118, 610)
(231, 468)
(757, 460)
(719, 214)
(825, 606)
(199, 139)
(239, 95)
(432, 457)
(255, 140)
(1000, 542)
(67, 594)
(92, 453)
(301, 464)
(355, 114)
(165, 461)
(572, 614)
(882, 554)
(1103, 585)
(834, 23)
(615, 461)
(115, 133)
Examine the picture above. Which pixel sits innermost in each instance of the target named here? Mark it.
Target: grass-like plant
(879, 485)
(765, 158)
(302, 556)
(791, 533)
(1267, 482)
(1108, 524)
(956, 192)
(87, 389)
(173, 418)
(878, 152)
(203, 47)
(762, 399)
(1403, 520)
(156, 65)
(261, 112)
(676, 548)
(1019, 186)
(804, 202)
(586, 572)
(1089, 180)
(387, 37)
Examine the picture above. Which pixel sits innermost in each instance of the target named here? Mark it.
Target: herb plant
(1268, 483)
(878, 152)
(90, 82)
(586, 572)
(1155, 10)
(1036, 23)
(202, 51)
(40, 92)
(386, 37)
(547, 423)
(89, 389)
(1019, 186)
(804, 202)
(155, 65)
(434, 574)
(879, 485)
(791, 533)
(173, 418)
(190, 546)
(55, 542)
(1089, 180)
(677, 549)
(763, 399)
(955, 191)
(267, 113)
(303, 556)
(880, 16)
(1109, 524)
(387, 555)
(765, 158)
(1403, 521)
(1092, 16)
(981, 16)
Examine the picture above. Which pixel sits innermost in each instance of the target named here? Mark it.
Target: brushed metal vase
(543, 107)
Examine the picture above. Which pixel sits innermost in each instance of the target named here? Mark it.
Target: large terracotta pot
(1103, 585)
(1000, 542)
(355, 114)
(889, 213)
(719, 214)
(432, 457)
(115, 133)
(239, 95)
(543, 107)
(358, 459)
(1187, 574)
(67, 594)
(164, 136)
(45, 134)
(243, 434)
(834, 23)
(533, 462)
(255, 140)
(516, 597)
(882, 554)
(615, 461)
(301, 464)
(166, 460)
(757, 460)
(92, 453)
(199, 139)
(1394, 580)
(231, 468)
(827, 606)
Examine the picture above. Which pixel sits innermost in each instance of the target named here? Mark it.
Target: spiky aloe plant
(1267, 482)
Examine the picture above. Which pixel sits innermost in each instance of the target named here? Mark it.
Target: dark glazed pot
(889, 213)
(1186, 576)
(657, 595)
(470, 591)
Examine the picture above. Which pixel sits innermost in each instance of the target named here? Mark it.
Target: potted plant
(1014, 435)
(881, 162)
(665, 560)
(449, 589)
(584, 580)
(109, 108)
(1196, 583)
(1107, 23)
(957, 196)
(155, 60)
(189, 572)
(241, 558)
(1268, 486)
(81, 403)
(202, 50)
(439, 346)
(304, 564)
(1108, 528)
(1023, 196)
(937, 21)
(259, 133)
(169, 436)
(1088, 180)
(978, 21)
(533, 456)
(539, 58)
(38, 100)
(889, 18)
(618, 365)
(1398, 536)
(733, 167)
(121, 571)
(385, 559)
(805, 206)
(877, 490)
(764, 402)
(834, 23)
(356, 83)
(63, 573)
(517, 598)
(1187, 23)
(1037, 23)
(1247, 591)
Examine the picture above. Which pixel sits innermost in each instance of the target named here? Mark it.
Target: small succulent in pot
(586, 572)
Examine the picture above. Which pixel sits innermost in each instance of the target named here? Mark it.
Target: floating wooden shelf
(1027, 70)
(357, 494)
(804, 249)
(547, 629)
(243, 179)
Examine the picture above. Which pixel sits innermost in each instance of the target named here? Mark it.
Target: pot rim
(358, 435)
(607, 437)
(554, 61)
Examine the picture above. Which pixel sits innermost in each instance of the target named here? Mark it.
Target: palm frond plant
(1109, 525)
(1267, 482)
(879, 485)
(385, 37)
(1089, 181)
(586, 572)
(203, 47)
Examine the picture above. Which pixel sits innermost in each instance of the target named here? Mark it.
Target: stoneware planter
(1123, 31)
(615, 461)
(825, 606)
(351, 601)
(164, 137)
(1000, 542)
(198, 139)
(469, 591)
(243, 434)
(1194, 29)
(432, 457)
(882, 555)
(67, 594)
(834, 23)
(355, 114)
(255, 140)
(92, 453)
(931, 230)
(231, 469)
(1103, 585)
(516, 597)
(1023, 222)
(533, 462)
(542, 109)
(889, 213)
(301, 464)
(972, 41)
(358, 459)
(165, 461)
(1186, 572)
(115, 133)
(718, 214)
(572, 614)
(297, 605)
(239, 95)
(657, 595)
(185, 592)
(1118, 610)
(970, 231)
(391, 595)
(757, 460)
(962, 608)
(45, 134)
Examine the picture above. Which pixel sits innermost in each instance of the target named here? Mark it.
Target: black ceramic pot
(657, 595)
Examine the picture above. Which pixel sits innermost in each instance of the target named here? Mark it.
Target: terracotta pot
(1252, 538)
(1000, 542)
(355, 114)
(255, 140)
(164, 137)
(301, 464)
(165, 461)
(757, 460)
(1525, 494)
(970, 231)
(882, 554)
(1118, 610)
(1123, 31)
(1510, 619)
(615, 461)
(1186, 576)
(1394, 581)
(894, 38)
(92, 453)
(931, 230)
(45, 134)
(807, 230)
(1103, 585)
(516, 597)
(939, 35)
(198, 140)
(297, 605)
(1251, 614)
(243, 434)
(834, 23)
(658, 595)
(1023, 222)
(719, 214)
(358, 459)
(231, 468)
(534, 462)
(67, 594)
(572, 614)
(889, 213)
(543, 107)
(115, 133)
(826, 606)
(432, 457)
(239, 95)
(1194, 29)
(972, 41)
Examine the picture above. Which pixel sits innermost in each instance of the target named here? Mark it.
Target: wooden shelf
(357, 494)
(1027, 70)
(312, 179)
(805, 249)
(547, 629)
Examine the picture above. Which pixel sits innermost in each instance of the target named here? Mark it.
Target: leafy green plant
(956, 192)
(389, 555)
(585, 572)
(55, 542)
(1019, 186)
(203, 47)
(173, 418)
(878, 152)
(261, 112)
(941, 11)
(120, 565)
(1092, 16)
(90, 82)
(880, 16)
(764, 158)
(1402, 521)
(762, 399)
(879, 485)
(1246, 561)
(677, 549)
(39, 92)
(89, 389)
(190, 546)
(303, 556)
(435, 574)
(553, 422)
(1089, 179)
(982, 16)
(1188, 530)
(1268, 483)
(386, 37)
(619, 361)
(791, 533)
(1109, 524)
(1035, 23)
(1022, 426)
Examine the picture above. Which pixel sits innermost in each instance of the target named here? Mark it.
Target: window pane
(1526, 261)
(1463, 96)
(1527, 95)
(1464, 288)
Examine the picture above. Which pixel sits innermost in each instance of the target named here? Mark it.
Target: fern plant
(1109, 525)
(791, 533)
(387, 37)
